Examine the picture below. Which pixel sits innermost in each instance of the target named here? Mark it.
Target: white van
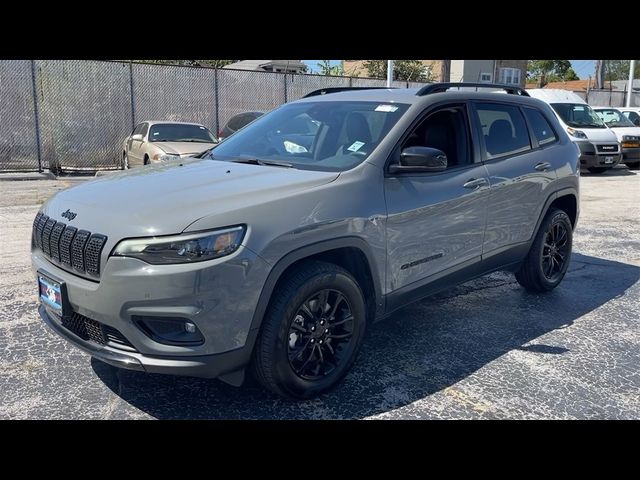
(599, 146)
(628, 134)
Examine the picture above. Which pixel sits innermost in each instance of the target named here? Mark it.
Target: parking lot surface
(486, 349)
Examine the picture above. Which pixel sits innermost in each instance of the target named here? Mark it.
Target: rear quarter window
(540, 127)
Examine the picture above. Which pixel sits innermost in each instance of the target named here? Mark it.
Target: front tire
(312, 331)
(548, 259)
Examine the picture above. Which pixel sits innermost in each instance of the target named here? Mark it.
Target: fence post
(285, 86)
(133, 106)
(36, 115)
(215, 89)
(350, 81)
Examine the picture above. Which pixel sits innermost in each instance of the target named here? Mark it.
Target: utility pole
(599, 74)
(389, 72)
(632, 68)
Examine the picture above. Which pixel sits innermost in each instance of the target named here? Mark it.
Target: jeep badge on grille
(69, 214)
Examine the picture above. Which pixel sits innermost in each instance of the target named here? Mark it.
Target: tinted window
(541, 128)
(138, 129)
(503, 128)
(634, 117)
(144, 129)
(321, 135)
(179, 132)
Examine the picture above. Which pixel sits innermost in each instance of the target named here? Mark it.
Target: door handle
(542, 166)
(475, 182)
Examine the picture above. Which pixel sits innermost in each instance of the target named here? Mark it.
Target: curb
(27, 176)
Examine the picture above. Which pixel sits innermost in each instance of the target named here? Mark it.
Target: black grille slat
(46, 236)
(56, 234)
(77, 249)
(94, 331)
(65, 244)
(92, 253)
(39, 229)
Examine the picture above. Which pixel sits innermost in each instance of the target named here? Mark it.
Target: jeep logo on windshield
(69, 214)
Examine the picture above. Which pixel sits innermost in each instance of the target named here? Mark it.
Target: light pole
(389, 72)
(632, 67)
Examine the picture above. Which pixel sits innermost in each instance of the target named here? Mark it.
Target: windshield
(613, 118)
(328, 136)
(178, 132)
(578, 115)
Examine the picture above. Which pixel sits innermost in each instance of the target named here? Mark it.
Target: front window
(510, 76)
(328, 136)
(178, 132)
(578, 115)
(613, 118)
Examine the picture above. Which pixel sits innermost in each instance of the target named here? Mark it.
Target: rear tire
(308, 342)
(548, 259)
(597, 169)
(633, 166)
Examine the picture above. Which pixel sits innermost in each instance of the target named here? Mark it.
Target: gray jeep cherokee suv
(275, 250)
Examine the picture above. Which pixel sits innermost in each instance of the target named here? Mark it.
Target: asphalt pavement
(485, 349)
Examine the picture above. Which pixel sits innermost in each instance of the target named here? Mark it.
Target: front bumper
(589, 158)
(218, 296)
(207, 366)
(631, 155)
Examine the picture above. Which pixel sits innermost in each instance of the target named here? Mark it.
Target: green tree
(545, 71)
(193, 63)
(619, 69)
(325, 68)
(406, 70)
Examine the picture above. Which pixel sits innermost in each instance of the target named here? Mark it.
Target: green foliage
(406, 70)
(619, 69)
(325, 68)
(545, 71)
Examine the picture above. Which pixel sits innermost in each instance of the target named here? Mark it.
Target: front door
(436, 221)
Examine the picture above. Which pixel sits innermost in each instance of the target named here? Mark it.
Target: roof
(408, 96)
(154, 122)
(267, 65)
(550, 95)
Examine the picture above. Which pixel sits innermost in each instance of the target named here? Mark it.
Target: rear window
(178, 132)
(540, 126)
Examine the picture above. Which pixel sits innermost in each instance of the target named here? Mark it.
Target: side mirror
(420, 160)
(137, 136)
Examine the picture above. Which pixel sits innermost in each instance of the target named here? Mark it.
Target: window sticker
(156, 133)
(201, 128)
(386, 108)
(355, 146)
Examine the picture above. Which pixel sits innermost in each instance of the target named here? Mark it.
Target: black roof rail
(443, 87)
(324, 91)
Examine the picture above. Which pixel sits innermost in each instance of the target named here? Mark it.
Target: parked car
(236, 122)
(160, 141)
(279, 259)
(599, 146)
(628, 134)
(632, 113)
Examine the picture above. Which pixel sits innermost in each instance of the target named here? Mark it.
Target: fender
(304, 252)
(552, 198)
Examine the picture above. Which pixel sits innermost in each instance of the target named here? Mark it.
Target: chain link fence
(70, 115)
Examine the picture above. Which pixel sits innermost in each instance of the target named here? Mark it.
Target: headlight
(187, 248)
(576, 133)
(165, 157)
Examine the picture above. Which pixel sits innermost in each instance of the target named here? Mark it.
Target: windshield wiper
(256, 161)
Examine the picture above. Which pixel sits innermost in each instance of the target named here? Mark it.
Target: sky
(583, 68)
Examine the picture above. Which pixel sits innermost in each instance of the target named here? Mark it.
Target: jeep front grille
(73, 248)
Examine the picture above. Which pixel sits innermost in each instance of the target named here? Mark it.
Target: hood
(183, 148)
(598, 134)
(166, 198)
(622, 131)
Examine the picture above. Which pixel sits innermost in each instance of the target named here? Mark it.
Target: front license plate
(608, 159)
(50, 293)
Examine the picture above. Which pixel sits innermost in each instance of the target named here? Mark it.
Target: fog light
(170, 330)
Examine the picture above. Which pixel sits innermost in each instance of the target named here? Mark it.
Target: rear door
(520, 170)
(134, 146)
